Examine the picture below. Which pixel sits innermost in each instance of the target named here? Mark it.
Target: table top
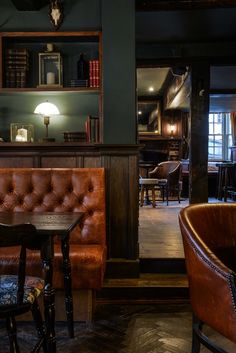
(45, 222)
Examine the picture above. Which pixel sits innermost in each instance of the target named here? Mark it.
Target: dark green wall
(19, 108)
(118, 24)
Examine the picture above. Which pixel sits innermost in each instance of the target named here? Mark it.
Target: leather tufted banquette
(56, 190)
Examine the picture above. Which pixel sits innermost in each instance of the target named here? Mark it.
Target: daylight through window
(220, 136)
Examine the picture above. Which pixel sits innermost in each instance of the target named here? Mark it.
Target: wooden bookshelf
(69, 44)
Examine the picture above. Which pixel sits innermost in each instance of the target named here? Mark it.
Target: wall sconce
(46, 110)
(172, 128)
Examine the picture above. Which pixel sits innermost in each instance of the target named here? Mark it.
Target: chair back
(163, 169)
(169, 170)
(209, 239)
(24, 236)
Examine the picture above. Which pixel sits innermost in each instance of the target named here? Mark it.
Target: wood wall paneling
(119, 186)
(133, 211)
(92, 161)
(20, 161)
(58, 161)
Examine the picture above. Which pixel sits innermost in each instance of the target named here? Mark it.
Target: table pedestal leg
(67, 283)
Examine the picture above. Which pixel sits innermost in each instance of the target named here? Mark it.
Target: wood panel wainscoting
(121, 165)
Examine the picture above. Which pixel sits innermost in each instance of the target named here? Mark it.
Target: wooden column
(198, 179)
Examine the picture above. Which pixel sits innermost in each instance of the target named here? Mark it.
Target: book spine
(92, 129)
(90, 73)
(97, 130)
(16, 66)
(94, 73)
(97, 73)
(17, 51)
(87, 129)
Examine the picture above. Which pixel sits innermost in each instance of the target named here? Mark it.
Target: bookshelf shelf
(63, 89)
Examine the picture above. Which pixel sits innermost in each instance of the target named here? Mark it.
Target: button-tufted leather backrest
(57, 190)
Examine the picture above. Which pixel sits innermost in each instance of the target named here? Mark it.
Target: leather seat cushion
(87, 265)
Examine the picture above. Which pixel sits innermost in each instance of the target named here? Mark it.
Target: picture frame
(22, 132)
(149, 118)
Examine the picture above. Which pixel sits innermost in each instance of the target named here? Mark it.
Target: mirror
(149, 118)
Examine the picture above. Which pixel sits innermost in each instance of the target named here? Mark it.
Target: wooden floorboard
(159, 233)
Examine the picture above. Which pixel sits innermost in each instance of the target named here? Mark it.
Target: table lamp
(46, 110)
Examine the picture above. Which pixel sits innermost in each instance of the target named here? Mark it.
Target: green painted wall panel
(119, 105)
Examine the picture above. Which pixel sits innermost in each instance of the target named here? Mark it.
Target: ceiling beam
(170, 5)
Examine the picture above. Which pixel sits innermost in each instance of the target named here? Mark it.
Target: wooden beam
(198, 174)
(170, 5)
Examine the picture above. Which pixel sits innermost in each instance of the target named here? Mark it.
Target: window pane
(211, 143)
(211, 130)
(218, 151)
(218, 118)
(219, 138)
(211, 150)
(218, 128)
(211, 118)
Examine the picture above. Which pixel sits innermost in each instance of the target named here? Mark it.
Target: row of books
(92, 129)
(94, 73)
(75, 136)
(16, 67)
(79, 83)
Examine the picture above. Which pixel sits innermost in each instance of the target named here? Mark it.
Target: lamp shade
(46, 109)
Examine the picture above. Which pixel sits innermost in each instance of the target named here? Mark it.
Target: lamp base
(47, 139)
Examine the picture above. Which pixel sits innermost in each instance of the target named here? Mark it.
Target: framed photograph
(22, 132)
(149, 118)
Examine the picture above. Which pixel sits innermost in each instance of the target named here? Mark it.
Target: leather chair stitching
(216, 269)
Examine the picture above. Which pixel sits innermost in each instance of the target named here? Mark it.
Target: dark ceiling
(186, 26)
(186, 21)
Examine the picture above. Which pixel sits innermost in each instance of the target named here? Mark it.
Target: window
(220, 136)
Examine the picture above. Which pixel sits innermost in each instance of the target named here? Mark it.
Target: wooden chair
(169, 175)
(208, 232)
(230, 182)
(18, 292)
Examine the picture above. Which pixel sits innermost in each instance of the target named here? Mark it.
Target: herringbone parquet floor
(125, 329)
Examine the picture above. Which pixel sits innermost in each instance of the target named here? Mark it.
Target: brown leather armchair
(209, 239)
(169, 175)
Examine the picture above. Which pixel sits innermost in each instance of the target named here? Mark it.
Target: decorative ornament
(56, 13)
